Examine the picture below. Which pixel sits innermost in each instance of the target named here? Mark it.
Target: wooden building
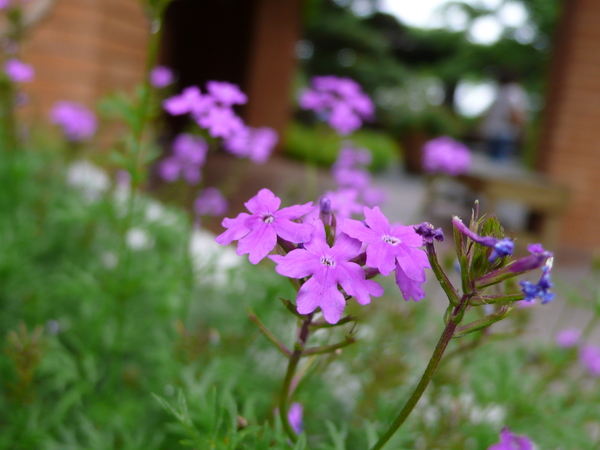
(569, 150)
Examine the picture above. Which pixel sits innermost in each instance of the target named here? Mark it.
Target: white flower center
(390, 240)
(268, 218)
(327, 261)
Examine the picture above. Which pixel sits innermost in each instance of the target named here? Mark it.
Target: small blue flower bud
(325, 210)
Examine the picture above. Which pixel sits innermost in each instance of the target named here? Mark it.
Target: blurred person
(504, 122)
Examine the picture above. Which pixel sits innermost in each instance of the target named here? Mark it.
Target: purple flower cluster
(161, 77)
(210, 202)
(18, 72)
(568, 337)
(329, 266)
(339, 101)
(189, 155)
(354, 182)
(258, 231)
(213, 111)
(392, 247)
(445, 155)
(77, 121)
(510, 441)
(539, 290)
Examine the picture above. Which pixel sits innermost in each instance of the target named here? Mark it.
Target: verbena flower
(226, 93)
(344, 203)
(567, 338)
(537, 257)
(539, 290)
(210, 202)
(191, 100)
(327, 267)
(392, 248)
(257, 232)
(589, 357)
(445, 155)
(18, 71)
(77, 121)
(510, 441)
(255, 143)
(429, 234)
(160, 77)
(341, 101)
(500, 247)
(189, 155)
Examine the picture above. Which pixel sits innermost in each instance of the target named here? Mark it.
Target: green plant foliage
(320, 145)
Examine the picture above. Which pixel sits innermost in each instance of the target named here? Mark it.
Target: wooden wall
(83, 49)
(570, 146)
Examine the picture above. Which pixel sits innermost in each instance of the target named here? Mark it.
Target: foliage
(320, 145)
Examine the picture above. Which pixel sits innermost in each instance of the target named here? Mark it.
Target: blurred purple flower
(210, 202)
(18, 71)
(189, 155)
(255, 143)
(537, 257)
(589, 357)
(295, 417)
(160, 77)
(220, 122)
(510, 441)
(372, 196)
(77, 121)
(257, 232)
(327, 267)
(341, 101)
(568, 337)
(344, 203)
(445, 155)
(227, 94)
(189, 101)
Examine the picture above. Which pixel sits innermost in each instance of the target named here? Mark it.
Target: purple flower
(257, 232)
(589, 357)
(500, 247)
(351, 177)
(78, 122)
(18, 71)
(210, 202)
(344, 203)
(189, 101)
(328, 267)
(160, 77)
(227, 94)
(220, 122)
(372, 196)
(391, 247)
(445, 155)
(295, 417)
(340, 100)
(428, 234)
(567, 338)
(536, 259)
(510, 441)
(539, 290)
(189, 155)
(254, 143)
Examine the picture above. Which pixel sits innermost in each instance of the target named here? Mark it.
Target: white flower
(91, 179)
(138, 239)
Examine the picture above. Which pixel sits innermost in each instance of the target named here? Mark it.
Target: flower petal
(377, 221)
(407, 235)
(236, 229)
(345, 247)
(358, 230)
(258, 243)
(292, 231)
(264, 201)
(352, 278)
(294, 212)
(296, 264)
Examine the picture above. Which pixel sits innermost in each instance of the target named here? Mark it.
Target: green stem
(289, 376)
(441, 275)
(426, 378)
(270, 336)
